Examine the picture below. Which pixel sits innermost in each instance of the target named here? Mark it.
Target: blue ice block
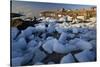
(85, 56)
(14, 32)
(17, 61)
(48, 46)
(67, 59)
(39, 56)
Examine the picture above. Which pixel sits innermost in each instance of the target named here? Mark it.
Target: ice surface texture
(67, 59)
(51, 42)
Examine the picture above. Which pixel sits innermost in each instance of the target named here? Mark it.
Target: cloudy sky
(34, 8)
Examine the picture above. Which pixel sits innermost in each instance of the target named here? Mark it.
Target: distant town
(87, 13)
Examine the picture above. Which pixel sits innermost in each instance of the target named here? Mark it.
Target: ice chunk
(16, 61)
(43, 36)
(59, 48)
(21, 35)
(75, 30)
(14, 32)
(31, 37)
(48, 45)
(28, 31)
(73, 41)
(16, 54)
(40, 28)
(39, 56)
(93, 42)
(81, 44)
(49, 38)
(70, 36)
(85, 56)
(50, 28)
(20, 44)
(70, 48)
(62, 37)
(83, 30)
(90, 35)
(32, 43)
(60, 29)
(27, 57)
(67, 59)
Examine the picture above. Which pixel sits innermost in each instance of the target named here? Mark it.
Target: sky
(34, 8)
